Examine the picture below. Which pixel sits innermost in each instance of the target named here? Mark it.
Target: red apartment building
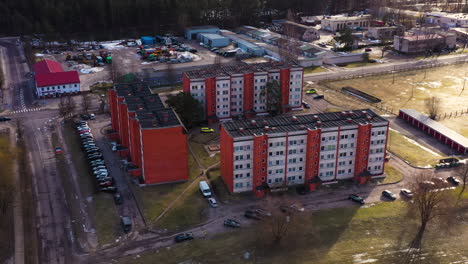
(154, 138)
(232, 90)
(264, 154)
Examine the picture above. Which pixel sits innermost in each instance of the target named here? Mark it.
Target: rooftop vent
(350, 113)
(316, 117)
(364, 112)
(241, 129)
(253, 123)
(267, 128)
(349, 120)
(265, 122)
(344, 113)
(368, 117)
(319, 123)
(294, 118)
(302, 127)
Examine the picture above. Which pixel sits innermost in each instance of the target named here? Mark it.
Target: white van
(205, 189)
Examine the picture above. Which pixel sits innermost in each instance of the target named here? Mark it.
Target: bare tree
(66, 107)
(432, 105)
(87, 100)
(428, 205)
(171, 75)
(462, 173)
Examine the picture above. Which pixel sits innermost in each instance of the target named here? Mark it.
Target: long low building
(154, 138)
(436, 130)
(52, 81)
(265, 154)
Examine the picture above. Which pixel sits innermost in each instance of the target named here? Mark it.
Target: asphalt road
(402, 65)
(53, 219)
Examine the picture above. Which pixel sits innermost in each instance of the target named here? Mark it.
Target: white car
(212, 202)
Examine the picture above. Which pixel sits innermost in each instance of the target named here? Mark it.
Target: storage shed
(213, 40)
(192, 32)
(436, 130)
(147, 40)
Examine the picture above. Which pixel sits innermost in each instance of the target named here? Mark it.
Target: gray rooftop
(276, 125)
(449, 133)
(150, 110)
(226, 70)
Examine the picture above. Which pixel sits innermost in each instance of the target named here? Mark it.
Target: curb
(407, 162)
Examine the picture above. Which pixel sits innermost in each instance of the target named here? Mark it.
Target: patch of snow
(421, 88)
(39, 55)
(421, 146)
(112, 45)
(358, 259)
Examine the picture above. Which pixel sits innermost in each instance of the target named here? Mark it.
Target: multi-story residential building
(52, 81)
(240, 89)
(154, 139)
(419, 43)
(340, 22)
(267, 153)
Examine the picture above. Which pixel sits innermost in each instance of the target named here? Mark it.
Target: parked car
(453, 180)
(126, 223)
(84, 117)
(231, 223)
(111, 189)
(206, 130)
(92, 116)
(261, 212)
(356, 198)
(291, 209)
(368, 50)
(306, 105)
(252, 215)
(183, 237)
(212, 202)
(388, 194)
(118, 199)
(311, 91)
(4, 118)
(407, 193)
(319, 96)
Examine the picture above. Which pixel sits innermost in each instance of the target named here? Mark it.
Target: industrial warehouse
(155, 140)
(267, 153)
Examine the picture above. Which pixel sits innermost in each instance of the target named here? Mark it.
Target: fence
(452, 114)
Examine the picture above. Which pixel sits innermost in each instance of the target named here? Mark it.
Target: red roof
(47, 66)
(57, 78)
(50, 73)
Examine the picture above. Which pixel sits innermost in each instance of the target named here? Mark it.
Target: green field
(409, 89)
(314, 69)
(458, 124)
(6, 189)
(375, 234)
(393, 175)
(411, 152)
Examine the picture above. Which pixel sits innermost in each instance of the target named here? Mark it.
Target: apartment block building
(340, 22)
(153, 137)
(240, 89)
(264, 154)
(419, 43)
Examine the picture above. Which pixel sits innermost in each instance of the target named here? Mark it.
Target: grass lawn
(7, 182)
(393, 175)
(154, 200)
(332, 109)
(314, 69)
(203, 156)
(190, 210)
(458, 124)
(413, 153)
(411, 88)
(358, 64)
(343, 235)
(102, 208)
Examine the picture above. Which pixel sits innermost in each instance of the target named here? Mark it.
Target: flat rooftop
(212, 36)
(149, 108)
(236, 68)
(201, 27)
(347, 18)
(434, 125)
(276, 125)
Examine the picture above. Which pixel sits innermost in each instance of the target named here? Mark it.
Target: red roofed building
(52, 81)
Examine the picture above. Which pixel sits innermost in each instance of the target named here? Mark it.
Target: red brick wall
(227, 160)
(312, 154)
(362, 149)
(164, 155)
(260, 159)
(248, 92)
(285, 75)
(124, 135)
(210, 95)
(113, 108)
(185, 83)
(135, 146)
